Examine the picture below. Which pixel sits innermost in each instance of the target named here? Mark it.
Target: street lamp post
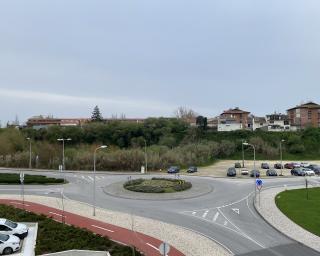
(145, 155)
(242, 154)
(63, 140)
(94, 177)
(254, 167)
(281, 156)
(30, 153)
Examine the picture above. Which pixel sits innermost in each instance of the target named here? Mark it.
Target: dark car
(271, 172)
(265, 166)
(231, 172)
(315, 168)
(192, 169)
(255, 173)
(298, 172)
(278, 166)
(237, 165)
(289, 165)
(174, 169)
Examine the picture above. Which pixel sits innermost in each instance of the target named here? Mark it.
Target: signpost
(22, 187)
(164, 249)
(259, 184)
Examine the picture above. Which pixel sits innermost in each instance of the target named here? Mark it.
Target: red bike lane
(146, 244)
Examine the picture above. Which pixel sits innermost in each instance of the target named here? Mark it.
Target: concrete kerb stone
(269, 211)
(188, 242)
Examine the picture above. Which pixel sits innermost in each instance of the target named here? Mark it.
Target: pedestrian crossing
(89, 178)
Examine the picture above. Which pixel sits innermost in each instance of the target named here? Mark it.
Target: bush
(14, 178)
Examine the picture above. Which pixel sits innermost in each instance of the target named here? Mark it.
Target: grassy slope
(55, 237)
(305, 213)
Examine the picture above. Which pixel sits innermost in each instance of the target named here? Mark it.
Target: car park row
(11, 234)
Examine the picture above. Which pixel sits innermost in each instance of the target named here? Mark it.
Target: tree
(202, 122)
(184, 113)
(96, 115)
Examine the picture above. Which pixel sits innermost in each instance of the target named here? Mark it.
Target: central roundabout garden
(157, 185)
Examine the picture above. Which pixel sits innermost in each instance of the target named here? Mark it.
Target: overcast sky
(146, 58)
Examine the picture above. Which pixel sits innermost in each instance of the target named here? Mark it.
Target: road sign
(164, 249)
(21, 177)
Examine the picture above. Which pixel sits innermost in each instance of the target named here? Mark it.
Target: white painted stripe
(194, 213)
(90, 178)
(225, 223)
(152, 246)
(97, 177)
(216, 216)
(83, 177)
(19, 203)
(105, 229)
(57, 214)
(205, 214)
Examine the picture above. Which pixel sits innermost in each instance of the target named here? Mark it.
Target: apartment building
(233, 119)
(304, 115)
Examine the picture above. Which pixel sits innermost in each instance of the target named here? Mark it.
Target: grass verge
(14, 178)
(302, 207)
(56, 237)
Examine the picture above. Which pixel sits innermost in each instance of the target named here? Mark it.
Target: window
(4, 228)
(309, 114)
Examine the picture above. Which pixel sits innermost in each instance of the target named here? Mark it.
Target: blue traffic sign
(259, 182)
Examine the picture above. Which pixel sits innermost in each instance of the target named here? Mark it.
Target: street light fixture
(254, 167)
(94, 177)
(281, 156)
(63, 140)
(30, 153)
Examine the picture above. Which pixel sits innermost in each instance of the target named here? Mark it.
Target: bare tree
(185, 113)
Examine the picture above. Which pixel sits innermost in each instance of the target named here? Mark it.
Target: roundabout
(158, 188)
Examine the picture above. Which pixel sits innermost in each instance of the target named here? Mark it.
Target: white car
(244, 172)
(309, 172)
(9, 227)
(304, 164)
(9, 244)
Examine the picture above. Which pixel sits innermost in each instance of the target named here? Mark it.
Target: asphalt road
(225, 215)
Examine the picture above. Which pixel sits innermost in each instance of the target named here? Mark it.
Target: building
(278, 122)
(304, 115)
(228, 125)
(233, 119)
(39, 122)
(255, 122)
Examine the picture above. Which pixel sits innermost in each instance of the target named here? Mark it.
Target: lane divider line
(105, 229)
(57, 214)
(216, 216)
(152, 246)
(19, 203)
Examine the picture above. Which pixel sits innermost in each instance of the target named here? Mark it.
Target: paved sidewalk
(148, 233)
(271, 213)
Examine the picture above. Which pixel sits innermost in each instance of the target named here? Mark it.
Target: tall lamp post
(63, 140)
(254, 167)
(94, 177)
(242, 154)
(145, 155)
(30, 153)
(281, 156)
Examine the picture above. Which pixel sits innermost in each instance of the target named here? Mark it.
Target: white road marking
(216, 216)
(236, 210)
(83, 177)
(225, 223)
(57, 214)
(105, 229)
(19, 203)
(90, 178)
(152, 246)
(205, 214)
(194, 213)
(98, 178)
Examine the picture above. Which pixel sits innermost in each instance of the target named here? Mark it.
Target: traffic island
(157, 189)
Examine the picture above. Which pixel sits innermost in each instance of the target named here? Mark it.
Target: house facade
(304, 115)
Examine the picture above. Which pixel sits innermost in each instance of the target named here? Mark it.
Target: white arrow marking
(236, 210)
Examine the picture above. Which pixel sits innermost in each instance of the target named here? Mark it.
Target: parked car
(232, 172)
(308, 172)
(296, 165)
(289, 166)
(174, 169)
(271, 172)
(192, 169)
(315, 168)
(298, 172)
(265, 166)
(237, 165)
(255, 173)
(278, 166)
(244, 172)
(304, 164)
(9, 227)
(9, 244)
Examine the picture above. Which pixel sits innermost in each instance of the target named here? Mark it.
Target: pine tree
(96, 115)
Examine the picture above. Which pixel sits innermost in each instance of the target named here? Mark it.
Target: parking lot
(220, 168)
